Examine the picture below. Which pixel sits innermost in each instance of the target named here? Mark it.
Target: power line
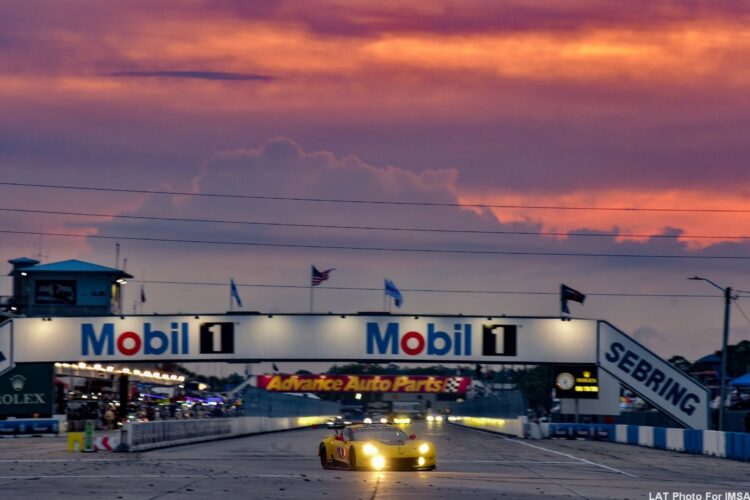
(426, 290)
(742, 312)
(373, 202)
(367, 228)
(381, 249)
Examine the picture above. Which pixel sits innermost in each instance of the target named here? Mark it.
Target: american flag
(319, 277)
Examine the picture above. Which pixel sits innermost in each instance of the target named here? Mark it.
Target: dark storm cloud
(192, 75)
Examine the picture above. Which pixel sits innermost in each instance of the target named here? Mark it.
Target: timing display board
(576, 381)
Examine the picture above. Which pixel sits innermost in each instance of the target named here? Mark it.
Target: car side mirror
(339, 437)
(413, 437)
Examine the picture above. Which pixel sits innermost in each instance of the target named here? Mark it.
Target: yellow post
(75, 441)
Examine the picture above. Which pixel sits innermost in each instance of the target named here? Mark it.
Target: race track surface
(471, 465)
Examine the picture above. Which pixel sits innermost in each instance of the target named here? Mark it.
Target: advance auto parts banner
(364, 383)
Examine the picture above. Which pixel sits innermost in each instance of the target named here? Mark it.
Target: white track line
(139, 461)
(146, 476)
(522, 462)
(550, 451)
(146, 460)
(572, 456)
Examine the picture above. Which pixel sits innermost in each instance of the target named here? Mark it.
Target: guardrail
(141, 436)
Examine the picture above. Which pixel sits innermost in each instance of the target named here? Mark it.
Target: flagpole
(231, 303)
(311, 298)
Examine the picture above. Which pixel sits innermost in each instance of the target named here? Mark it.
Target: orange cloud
(630, 225)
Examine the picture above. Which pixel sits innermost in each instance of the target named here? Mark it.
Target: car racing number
(341, 451)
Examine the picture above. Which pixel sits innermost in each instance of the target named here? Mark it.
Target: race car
(375, 447)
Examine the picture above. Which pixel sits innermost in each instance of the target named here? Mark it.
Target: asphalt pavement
(471, 465)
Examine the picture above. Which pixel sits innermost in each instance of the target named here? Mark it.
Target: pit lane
(471, 464)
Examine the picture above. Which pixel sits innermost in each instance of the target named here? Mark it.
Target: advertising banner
(364, 383)
(432, 339)
(660, 383)
(27, 389)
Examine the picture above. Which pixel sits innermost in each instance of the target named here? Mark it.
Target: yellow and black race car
(375, 447)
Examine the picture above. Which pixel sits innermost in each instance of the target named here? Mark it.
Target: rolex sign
(26, 390)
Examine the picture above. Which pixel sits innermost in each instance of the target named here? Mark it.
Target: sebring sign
(366, 338)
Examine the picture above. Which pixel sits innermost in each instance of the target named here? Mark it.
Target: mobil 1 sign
(661, 384)
(306, 338)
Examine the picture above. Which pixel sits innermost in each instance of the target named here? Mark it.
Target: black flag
(566, 294)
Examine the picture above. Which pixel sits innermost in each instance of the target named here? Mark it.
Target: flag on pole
(392, 291)
(566, 294)
(319, 277)
(143, 295)
(234, 293)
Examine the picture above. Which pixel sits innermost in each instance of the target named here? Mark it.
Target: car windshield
(385, 435)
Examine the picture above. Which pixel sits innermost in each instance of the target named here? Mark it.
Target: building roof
(741, 381)
(23, 262)
(75, 266)
(711, 358)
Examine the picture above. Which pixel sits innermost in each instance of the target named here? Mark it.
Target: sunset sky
(524, 104)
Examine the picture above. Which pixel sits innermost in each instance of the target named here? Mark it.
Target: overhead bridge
(372, 338)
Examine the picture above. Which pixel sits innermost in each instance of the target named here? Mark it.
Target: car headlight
(378, 462)
(383, 420)
(369, 449)
(430, 418)
(421, 461)
(368, 420)
(439, 418)
(424, 448)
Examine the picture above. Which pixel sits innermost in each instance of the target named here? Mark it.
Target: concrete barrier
(660, 438)
(645, 436)
(738, 446)
(675, 439)
(714, 443)
(141, 436)
(509, 426)
(733, 445)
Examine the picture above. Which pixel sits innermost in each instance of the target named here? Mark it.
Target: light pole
(725, 338)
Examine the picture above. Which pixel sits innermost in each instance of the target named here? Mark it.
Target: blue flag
(392, 291)
(234, 293)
